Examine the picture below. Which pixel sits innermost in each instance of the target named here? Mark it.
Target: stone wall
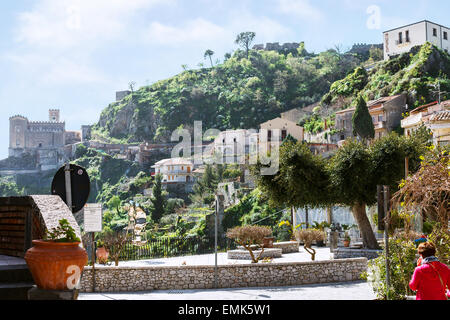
(24, 219)
(344, 253)
(122, 279)
(287, 246)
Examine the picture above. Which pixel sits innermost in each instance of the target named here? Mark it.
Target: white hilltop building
(403, 39)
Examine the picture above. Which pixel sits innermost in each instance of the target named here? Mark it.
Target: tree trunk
(359, 213)
(311, 251)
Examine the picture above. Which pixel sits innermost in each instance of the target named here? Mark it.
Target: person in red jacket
(432, 278)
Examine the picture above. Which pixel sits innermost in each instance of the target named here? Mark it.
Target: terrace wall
(123, 279)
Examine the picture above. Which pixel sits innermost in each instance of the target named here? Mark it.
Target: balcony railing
(412, 120)
(380, 125)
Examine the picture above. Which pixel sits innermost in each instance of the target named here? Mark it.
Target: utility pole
(386, 236)
(216, 273)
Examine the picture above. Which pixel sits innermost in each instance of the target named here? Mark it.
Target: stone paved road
(356, 290)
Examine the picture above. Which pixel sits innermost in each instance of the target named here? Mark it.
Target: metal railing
(165, 247)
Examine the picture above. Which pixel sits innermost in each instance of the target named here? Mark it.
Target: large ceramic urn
(56, 265)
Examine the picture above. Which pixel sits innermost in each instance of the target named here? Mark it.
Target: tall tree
(301, 181)
(158, 199)
(244, 39)
(362, 121)
(209, 53)
(350, 170)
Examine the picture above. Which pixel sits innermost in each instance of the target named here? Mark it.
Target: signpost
(72, 184)
(93, 223)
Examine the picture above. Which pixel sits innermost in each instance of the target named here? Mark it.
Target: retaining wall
(123, 279)
(344, 253)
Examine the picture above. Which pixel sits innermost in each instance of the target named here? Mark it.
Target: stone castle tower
(44, 139)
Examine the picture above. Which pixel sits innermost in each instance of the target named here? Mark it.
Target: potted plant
(57, 261)
(268, 242)
(346, 240)
(102, 253)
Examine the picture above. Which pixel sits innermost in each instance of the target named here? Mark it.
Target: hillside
(416, 73)
(240, 93)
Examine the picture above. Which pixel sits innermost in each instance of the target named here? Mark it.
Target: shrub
(307, 236)
(402, 262)
(247, 236)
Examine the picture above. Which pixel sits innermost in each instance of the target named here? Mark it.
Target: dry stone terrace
(127, 279)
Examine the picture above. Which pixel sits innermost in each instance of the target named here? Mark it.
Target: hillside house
(387, 113)
(285, 127)
(419, 116)
(386, 116)
(440, 126)
(435, 116)
(176, 170)
(403, 39)
(233, 145)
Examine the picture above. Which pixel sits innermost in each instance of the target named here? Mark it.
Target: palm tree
(209, 53)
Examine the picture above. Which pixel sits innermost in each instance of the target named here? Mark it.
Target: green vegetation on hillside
(417, 73)
(240, 93)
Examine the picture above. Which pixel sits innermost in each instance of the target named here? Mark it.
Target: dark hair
(426, 249)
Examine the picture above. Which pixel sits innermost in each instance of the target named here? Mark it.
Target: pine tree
(158, 199)
(362, 121)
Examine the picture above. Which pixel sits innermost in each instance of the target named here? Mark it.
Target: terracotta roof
(346, 110)
(441, 116)
(173, 161)
(381, 100)
(424, 106)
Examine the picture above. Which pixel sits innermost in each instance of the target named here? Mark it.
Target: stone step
(15, 274)
(15, 291)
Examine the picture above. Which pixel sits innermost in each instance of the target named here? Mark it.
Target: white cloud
(301, 9)
(66, 23)
(197, 30)
(57, 40)
(200, 32)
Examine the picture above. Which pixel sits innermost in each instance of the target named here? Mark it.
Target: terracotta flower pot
(268, 242)
(347, 243)
(102, 254)
(52, 263)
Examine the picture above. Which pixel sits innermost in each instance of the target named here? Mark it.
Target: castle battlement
(52, 123)
(18, 116)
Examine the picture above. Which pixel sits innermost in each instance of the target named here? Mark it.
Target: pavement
(355, 290)
(322, 253)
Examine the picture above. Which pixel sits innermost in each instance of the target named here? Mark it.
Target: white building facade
(176, 170)
(402, 39)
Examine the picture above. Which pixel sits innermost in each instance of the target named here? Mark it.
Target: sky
(74, 55)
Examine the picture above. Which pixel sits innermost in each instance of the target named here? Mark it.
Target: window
(380, 118)
(283, 134)
(407, 35)
(445, 35)
(400, 37)
(434, 32)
